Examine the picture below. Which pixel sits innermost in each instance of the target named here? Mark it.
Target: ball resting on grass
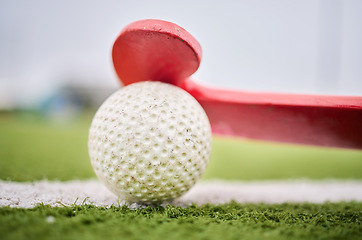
(149, 142)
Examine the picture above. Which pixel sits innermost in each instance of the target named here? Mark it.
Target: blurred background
(53, 48)
(55, 64)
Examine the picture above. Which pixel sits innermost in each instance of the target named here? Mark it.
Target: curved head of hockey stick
(155, 50)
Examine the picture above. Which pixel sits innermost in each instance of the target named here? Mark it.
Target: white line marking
(28, 195)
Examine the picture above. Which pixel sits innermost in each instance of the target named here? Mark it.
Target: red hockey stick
(162, 51)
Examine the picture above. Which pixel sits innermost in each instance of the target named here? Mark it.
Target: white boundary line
(28, 195)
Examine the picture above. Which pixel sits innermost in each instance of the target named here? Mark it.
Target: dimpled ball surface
(149, 142)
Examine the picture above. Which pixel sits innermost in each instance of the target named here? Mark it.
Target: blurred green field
(35, 148)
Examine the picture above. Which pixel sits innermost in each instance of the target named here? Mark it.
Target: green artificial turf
(229, 221)
(34, 148)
